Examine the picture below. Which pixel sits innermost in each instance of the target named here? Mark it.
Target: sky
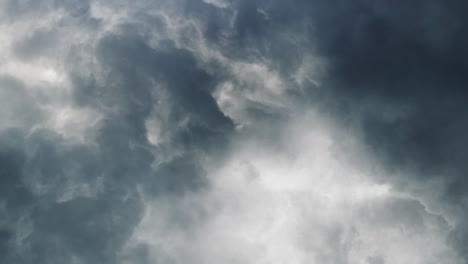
(233, 131)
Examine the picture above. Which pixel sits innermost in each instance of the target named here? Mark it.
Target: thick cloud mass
(233, 131)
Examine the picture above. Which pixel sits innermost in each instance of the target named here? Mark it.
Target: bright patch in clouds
(298, 201)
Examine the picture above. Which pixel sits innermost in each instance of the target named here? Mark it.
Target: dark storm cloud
(405, 57)
(62, 202)
(37, 172)
(396, 72)
(262, 30)
(409, 58)
(395, 75)
(189, 87)
(137, 68)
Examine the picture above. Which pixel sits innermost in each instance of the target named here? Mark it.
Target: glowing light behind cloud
(297, 201)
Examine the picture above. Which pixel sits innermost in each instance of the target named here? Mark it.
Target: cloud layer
(233, 132)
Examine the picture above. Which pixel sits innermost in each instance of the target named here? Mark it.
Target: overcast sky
(233, 132)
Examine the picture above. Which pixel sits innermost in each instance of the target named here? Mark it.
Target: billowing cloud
(232, 132)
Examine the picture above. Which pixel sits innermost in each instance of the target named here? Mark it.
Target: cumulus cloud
(232, 132)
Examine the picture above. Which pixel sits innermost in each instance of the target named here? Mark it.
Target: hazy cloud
(232, 132)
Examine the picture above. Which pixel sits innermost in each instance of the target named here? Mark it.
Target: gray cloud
(232, 131)
(394, 73)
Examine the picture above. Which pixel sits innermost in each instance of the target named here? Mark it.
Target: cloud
(297, 201)
(232, 131)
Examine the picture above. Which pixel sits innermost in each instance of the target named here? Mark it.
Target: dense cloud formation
(233, 131)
